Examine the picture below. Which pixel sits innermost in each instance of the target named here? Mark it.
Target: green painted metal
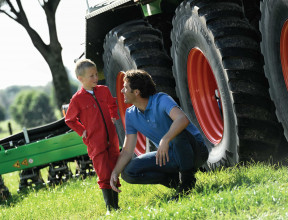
(42, 152)
(152, 8)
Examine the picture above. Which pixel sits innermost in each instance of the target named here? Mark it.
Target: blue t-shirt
(155, 122)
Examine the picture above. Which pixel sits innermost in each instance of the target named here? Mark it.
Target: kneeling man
(181, 147)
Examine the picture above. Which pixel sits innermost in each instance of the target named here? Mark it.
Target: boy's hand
(113, 120)
(84, 135)
(113, 182)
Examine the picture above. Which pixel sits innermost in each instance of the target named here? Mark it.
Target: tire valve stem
(218, 102)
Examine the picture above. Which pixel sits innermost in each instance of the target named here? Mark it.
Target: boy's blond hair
(81, 65)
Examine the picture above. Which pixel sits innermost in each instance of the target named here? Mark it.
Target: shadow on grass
(236, 177)
(8, 200)
(229, 179)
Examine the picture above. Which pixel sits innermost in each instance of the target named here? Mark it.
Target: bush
(2, 113)
(32, 108)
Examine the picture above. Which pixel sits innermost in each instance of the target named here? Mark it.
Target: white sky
(20, 62)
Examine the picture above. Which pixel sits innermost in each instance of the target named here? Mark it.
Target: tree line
(30, 106)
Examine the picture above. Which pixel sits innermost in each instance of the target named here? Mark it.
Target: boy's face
(90, 78)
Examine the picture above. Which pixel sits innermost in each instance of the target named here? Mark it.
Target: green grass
(256, 191)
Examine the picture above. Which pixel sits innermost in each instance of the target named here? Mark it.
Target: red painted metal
(202, 88)
(284, 52)
(141, 139)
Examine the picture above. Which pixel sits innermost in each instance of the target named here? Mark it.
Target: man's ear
(137, 92)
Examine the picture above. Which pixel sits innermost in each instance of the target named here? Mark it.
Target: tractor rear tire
(220, 82)
(136, 45)
(274, 46)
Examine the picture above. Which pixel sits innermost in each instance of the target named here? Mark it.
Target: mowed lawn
(256, 191)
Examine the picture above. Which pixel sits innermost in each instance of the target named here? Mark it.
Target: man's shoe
(188, 182)
(182, 191)
(173, 181)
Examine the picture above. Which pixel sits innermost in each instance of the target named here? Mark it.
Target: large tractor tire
(274, 46)
(135, 45)
(220, 82)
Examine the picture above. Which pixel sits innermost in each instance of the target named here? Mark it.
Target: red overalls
(83, 107)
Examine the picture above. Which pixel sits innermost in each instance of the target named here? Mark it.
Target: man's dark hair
(141, 80)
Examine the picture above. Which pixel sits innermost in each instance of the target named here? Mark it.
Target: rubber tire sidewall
(274, 15)
(186, 39)
(120, 60)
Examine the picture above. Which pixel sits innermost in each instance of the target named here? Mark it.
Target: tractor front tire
(136, 45)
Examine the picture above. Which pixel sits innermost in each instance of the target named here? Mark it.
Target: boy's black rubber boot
(115, 200)
(108, 198)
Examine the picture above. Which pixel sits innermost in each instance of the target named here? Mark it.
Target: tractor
(224, 61)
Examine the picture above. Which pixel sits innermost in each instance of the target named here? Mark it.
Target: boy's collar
(82, 91)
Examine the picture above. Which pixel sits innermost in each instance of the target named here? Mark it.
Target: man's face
(90, 79)
(129, 95)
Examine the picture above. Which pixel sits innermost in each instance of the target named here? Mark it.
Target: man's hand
(162, 153)
(113, 182)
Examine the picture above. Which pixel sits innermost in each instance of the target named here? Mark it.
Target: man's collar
(149, 105)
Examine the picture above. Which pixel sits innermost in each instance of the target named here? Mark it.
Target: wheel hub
(205, 96)
(141, 139)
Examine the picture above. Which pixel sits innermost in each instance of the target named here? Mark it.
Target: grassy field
(256, 191)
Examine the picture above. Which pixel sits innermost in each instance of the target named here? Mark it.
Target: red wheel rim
(284, 52)
(141, 139)
(202, 88)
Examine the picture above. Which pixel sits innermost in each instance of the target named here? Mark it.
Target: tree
(32, 108)
(51, 52)
(2, 113)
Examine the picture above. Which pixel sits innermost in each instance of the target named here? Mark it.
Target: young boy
(92, 113)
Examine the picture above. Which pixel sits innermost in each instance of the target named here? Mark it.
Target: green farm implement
(52, 145)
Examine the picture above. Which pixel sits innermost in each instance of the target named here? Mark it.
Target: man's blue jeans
(143, 169)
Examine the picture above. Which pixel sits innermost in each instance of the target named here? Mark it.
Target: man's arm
(124, 158)
(180, 122)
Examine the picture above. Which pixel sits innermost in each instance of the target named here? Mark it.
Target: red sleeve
(72, 118)
(112, 105)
